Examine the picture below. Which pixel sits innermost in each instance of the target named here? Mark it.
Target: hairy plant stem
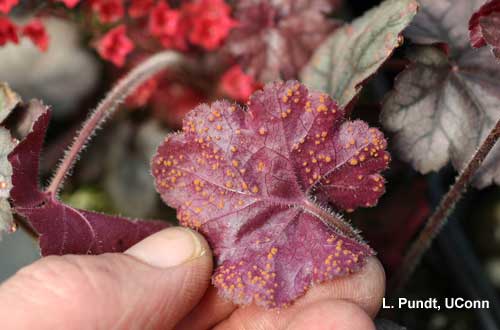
(438, 219)
(115, 97)
(331, 220)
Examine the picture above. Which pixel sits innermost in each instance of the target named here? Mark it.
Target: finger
(211, 310)
(364, 288)
(332, 315)
(153, 285)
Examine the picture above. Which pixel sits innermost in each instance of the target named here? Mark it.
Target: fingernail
(170, 247)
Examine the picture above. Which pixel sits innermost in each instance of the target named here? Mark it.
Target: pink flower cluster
(34, 30)
(129, 30)
(202, 23)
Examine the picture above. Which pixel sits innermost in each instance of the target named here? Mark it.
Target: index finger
(364, 288)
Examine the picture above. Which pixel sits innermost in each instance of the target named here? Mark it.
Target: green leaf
(447, 101)
(355, 52)
(8, 101)
(6, 146)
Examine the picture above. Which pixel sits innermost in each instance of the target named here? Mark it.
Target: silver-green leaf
(446, 102)
(6, 146)
(357, 50)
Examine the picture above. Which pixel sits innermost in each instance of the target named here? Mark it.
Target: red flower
(6, 5)
(115, 46)
(8, 31)
(140, 8)
(163, 20)
(211, 23)
(143, 94)
(109, 11)
(69, 3)
(238, 85)
(173, 100)
(169, 26)
(35, 30)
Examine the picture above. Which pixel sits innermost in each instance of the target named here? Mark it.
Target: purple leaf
(444, 104)
(275, 39)
(64, 229)
(484, 27)
(258, 182)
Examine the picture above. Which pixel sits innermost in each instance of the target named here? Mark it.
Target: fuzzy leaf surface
(257, 182)
(64, 229)
(484, 27)
(444, 105)
(357, 50)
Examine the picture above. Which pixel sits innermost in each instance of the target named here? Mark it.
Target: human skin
(163, 282)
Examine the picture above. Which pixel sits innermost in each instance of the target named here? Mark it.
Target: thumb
(152, 285)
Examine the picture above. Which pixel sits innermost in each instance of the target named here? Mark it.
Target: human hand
(163, 282)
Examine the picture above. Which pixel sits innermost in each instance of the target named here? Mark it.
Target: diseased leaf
(357, 50)
(275, 38)
(257, 183)
(484, 27)
(443, 107)
(64, 229)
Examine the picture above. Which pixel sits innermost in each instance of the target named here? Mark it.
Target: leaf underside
(443, 106)
(356, 51)
(258, 183)
(64, 229)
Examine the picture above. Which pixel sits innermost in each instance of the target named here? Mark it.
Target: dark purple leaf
(64, 229)
(274, 39)
(258, 182)
(484, 27)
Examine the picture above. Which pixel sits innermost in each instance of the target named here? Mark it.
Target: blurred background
(113, 176)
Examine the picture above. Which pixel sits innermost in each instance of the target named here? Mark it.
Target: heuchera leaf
(484, 27)
(6, 146)
(443, 106)
(443, 21)
(275, 38)
(64, 229)
(8, 101)
(357, 50)
(257, 183)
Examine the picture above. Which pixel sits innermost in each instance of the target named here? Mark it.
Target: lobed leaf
(64, 229)
(257, 182)
(356, 51)
(443, 106)
(484, 27)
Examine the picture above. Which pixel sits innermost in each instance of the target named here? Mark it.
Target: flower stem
(438, 219)
(115, 97)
